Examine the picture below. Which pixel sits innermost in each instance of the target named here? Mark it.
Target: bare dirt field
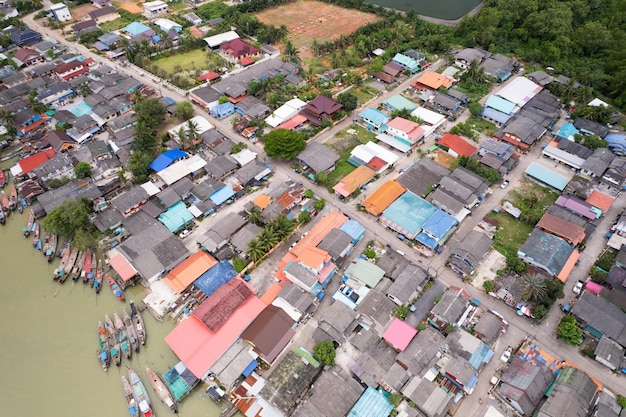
(309, 20)
(131, 7)
(81, 11)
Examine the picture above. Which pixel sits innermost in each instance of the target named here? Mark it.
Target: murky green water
(440, 9)
(48, 342)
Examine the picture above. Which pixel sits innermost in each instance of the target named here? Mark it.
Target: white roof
(160, 298)
(151, 188)
(155, 3)
(202, 123)
(361, 153)
(16, 170)
(519, 91)
(378, 51)
(596, 102)
(428, 116)
(174, 172)
(195, 211)
(393, 142)
(216, 40)
(195, 163)
(244, 157)
(383, 153)
(58, 6)
(287, 308)
(166, 24)
(285, 112)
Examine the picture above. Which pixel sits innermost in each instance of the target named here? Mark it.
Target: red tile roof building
(457, 145)
(239, 49)
(31, 162)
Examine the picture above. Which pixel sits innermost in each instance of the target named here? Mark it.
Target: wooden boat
(35, 231)
(3, 218)
(86, 269)
(141, 395)
(5, 204)
(52, 247)
(3, 179)
(45, 243)
(29, 223)
(98, 280)
(161, 390)
(103, 353)
(122, 336)
(133, 409)
(78, 265)
(59, 273)
(117, 292)
(133, 338)
(13, 198)
(116, 354)
(114, 346)
(23, 202)
(138, 322)
(69, 265)
(94, 265)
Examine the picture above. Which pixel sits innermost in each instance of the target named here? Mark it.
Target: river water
(48, 363)
(440, 9)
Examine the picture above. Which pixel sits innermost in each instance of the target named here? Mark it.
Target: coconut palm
(181, 134)
(254, 215)
(268, 239)
(533, 287)
(255, 250)
(282, 226)
(193, 130)
(476, 73)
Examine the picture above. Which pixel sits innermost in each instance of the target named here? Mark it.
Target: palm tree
(282, 226)
(85, 90)
(533, 287)
(193, 131)
(6, 117)
(476, 73)
(268, 239)
(181, 134)
(291, 53)
(254, 215)
(255, 250)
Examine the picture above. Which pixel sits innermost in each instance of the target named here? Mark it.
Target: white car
(184, 233)
(504, 184)
(578, 287)
(506, 355)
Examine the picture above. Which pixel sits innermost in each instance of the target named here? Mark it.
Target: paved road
(519, 327)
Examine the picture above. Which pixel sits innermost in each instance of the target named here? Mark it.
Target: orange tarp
(599, 200)
(123, 268)
(262, 201)
(569, 266)
(357, 178)
(189, 270)
(383, 197)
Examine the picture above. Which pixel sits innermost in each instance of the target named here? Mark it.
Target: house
(422, 176)
(444, 104)
(572, 233)
(600, 317)
(223, 110)
(238, 49)
(431, 81)
(589, 127)
(488, 328)
(406, 131)
(464, 57)
(567, 152)
(25, 37)
(215, 41)
(85, 27)
(456, 146)
(318, 158)
(407, 214)
(449, 309)
(285, 112)
(71, 69)
(609, 353)
(27, 57)
(293, 300)
(421, 351)
(154, 9)
(573, 393)
(465, 258)
(334, 393)
(101, 3)
(130, 201)
(269, 333)
(56, 94)
(398, 102)
(321, 107)
(429, 397)
(61, 12)
(374, 119)
(104, 14)
(436, 230)
(498, 66)
(376, 311)
(393, 69)
(540, 77)
(617, 142)
(373, 403)
(380, 199)
(597, 163)
(549, 253)
(407, 285)
(59, 141)
(524, 384)
(521, 131)
(373, 156)
(615, 175)
(406, 62)
(354, 181)
(60, 166)
(337, 323)
(193, 18)
(166, 25)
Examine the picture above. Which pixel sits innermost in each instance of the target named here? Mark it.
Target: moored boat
(138, 322)
(114, 347)
(94, 266)
(116, 354)
(45, 243)
(29, 223)
(69, 265)
(141, 395)
(114, 287)
(122, 336)
(59, 273)
(52, 247)
(78, 265)
(3, 179)
(35, 231)
(86, 270)
(133, 410)
(23, 202)
(13, 198)
(5, 204)
(133, 338)
(2, 217)
(98, 280)
(103, 353)
(161, 390)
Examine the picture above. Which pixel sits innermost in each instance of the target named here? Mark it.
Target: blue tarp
(166, 159)
(246, 372)
(212, 279)
(222, 195)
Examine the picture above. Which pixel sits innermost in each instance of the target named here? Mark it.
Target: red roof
(24, 54)
(457, 144)
(399, 334)
(123, 268)
(222, 304)
(199, 348)
(68, 66)
(245, 61)
(238, 48)
(376, 163)
(599, 200)
(31, 162)
(292, 123)
(209, 76)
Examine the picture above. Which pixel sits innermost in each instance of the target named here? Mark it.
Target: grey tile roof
(445, 201)
(318, 157)
(242, 237)
(421, 351)
(526, 383)
(609, 351)
(422, 175)
(470, 252)
(392, 263)
(130, 198)
(221, 166)
(334, 394)
(296, 297)
(168, 197)
(183, 187)
(411, 279)
(488, 328)
(374, 362)
(335, 243)
(546, 251)
(139, 221)
(598, 162)
(208, 186)
(523, 127)
(572, 395)
(450, 307)
(108, 219)
(75, 189)
(601, 315)
(591, 127)
(377, 307)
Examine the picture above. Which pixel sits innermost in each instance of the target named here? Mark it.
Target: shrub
(325, 352)
(489, 286)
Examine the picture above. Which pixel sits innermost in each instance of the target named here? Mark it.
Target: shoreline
(453, 22)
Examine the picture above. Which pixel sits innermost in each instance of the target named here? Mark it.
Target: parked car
(504, 184)
(578, 287)
(506, 355)
(184, 233)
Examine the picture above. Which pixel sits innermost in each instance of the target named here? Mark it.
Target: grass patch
(126, 19)
(364, 93)
(363, 134)
(342, 169)
(192, 60)
(475, 91)
(344, 144)
(511, 233)
(482, 126)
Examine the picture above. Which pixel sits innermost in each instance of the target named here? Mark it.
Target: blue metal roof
(439, 224)
(426, 240)
(222, 195)
(212, 279)
(81, 109)
(176, 217)
(495, 115)
(407, 214)
(375, 116)
(405, 61)
(166, 159)
(353, 228)
(251, 367)
(547, 176)
(567, 130)
(500, 104)
(136, 28)
(617, 142)
(373, 403)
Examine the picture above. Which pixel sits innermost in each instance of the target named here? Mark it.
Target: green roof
(366, 272)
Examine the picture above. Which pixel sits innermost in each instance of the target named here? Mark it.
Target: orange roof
(189, 270)
(457, 144)
(599, 200)
(569, 266)
(209, 76)
(286, 200)
(272, 292)
(262, 201)
(199, 348)
(571, 232)
(354, 180)
(123, 268)
(31, 162)
(195, 32)
(332, 220)
(292, 123)
(383, 197)
(245, 61)
(313, 257)
(432, 80)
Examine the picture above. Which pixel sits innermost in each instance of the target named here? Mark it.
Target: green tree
(488, 285)
(349, 101)
(448, 329)
(291, 53)
(139, 165)
(304, 217)
(594, 142)
(184, 110)
(539, 311)
(475, 72)
(239, 263)
(325, 352)
(283, 143)
(82, 170)
(533, 287)
(621, 400)
(308, 193)
(569, 331)
(85, 90)
(254, 215)
(475, 109)
(319, 204)
(255, 250)
(402, 311)
(282, 226)
(268, 238)
(69, 217)
(395, 399)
